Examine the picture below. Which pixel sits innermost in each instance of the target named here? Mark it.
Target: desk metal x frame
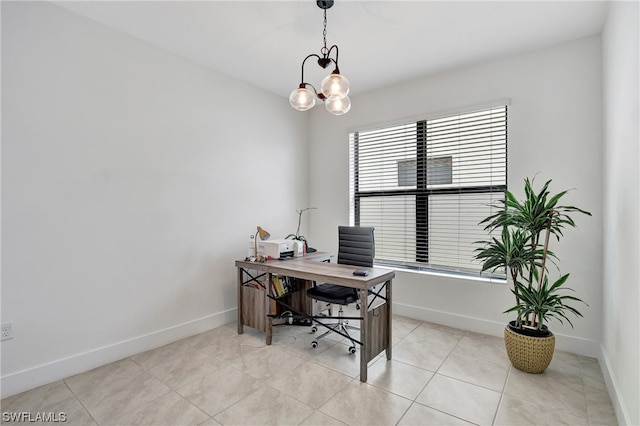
(312, 268)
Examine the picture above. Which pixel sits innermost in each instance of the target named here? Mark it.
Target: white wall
(130, 184)
(555, 129)
(621, 296)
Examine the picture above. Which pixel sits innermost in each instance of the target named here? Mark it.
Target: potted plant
(297, 235)
(522, 251)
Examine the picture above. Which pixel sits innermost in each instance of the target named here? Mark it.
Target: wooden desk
(375, 329)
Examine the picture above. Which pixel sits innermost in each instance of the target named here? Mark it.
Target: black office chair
(355, 247)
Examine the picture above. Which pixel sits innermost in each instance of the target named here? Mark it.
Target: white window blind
(426, 185)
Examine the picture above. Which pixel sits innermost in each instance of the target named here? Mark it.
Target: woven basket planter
(527, 353)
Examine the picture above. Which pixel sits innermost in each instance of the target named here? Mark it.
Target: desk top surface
(312, 267)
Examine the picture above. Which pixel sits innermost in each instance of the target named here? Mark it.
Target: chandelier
(334, 87)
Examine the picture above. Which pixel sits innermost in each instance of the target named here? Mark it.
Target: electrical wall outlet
(7, 330)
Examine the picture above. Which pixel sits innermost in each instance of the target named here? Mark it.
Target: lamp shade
(264, 235)
(302, 99)
(335, 86)
(338, 106)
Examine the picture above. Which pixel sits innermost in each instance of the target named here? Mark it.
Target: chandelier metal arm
(302, 67)
(335, 61)
(320, 95)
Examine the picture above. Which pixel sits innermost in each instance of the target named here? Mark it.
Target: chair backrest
(356, 245)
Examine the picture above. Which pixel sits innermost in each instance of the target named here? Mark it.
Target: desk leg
(240, 276)
(267, 309)
(364, 338)
(389, 323)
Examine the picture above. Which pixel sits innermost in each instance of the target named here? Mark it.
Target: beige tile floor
(438, 376)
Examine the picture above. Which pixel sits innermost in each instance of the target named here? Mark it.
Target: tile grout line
(584, 392)
(502, 395)
(79, 401)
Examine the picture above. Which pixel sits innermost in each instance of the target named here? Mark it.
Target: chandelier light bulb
(338, 106)
(335, 86)
(302, 99)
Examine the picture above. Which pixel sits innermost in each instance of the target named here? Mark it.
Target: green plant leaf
(546, 303)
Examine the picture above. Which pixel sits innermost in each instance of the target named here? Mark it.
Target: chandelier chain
(324, 49)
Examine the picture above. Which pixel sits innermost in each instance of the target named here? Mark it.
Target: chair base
(341, 327)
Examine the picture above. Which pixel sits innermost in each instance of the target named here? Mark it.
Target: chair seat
(332, 293)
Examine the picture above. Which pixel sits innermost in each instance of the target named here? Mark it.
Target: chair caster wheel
(314, 329)
(314, 344)
(352, 350)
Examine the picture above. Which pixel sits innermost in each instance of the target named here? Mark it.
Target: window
(438, 171)
(426, 185)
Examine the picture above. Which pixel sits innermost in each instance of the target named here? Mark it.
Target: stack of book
(283, 285)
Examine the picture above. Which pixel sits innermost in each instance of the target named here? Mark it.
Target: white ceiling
(381, 42)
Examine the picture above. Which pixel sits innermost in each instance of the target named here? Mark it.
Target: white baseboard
(577, 345)
(618, 404)
(447, 318)
(50, 372)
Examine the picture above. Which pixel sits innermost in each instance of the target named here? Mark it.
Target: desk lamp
(264, 235)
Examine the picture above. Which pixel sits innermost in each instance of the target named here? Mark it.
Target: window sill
(450, 275)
